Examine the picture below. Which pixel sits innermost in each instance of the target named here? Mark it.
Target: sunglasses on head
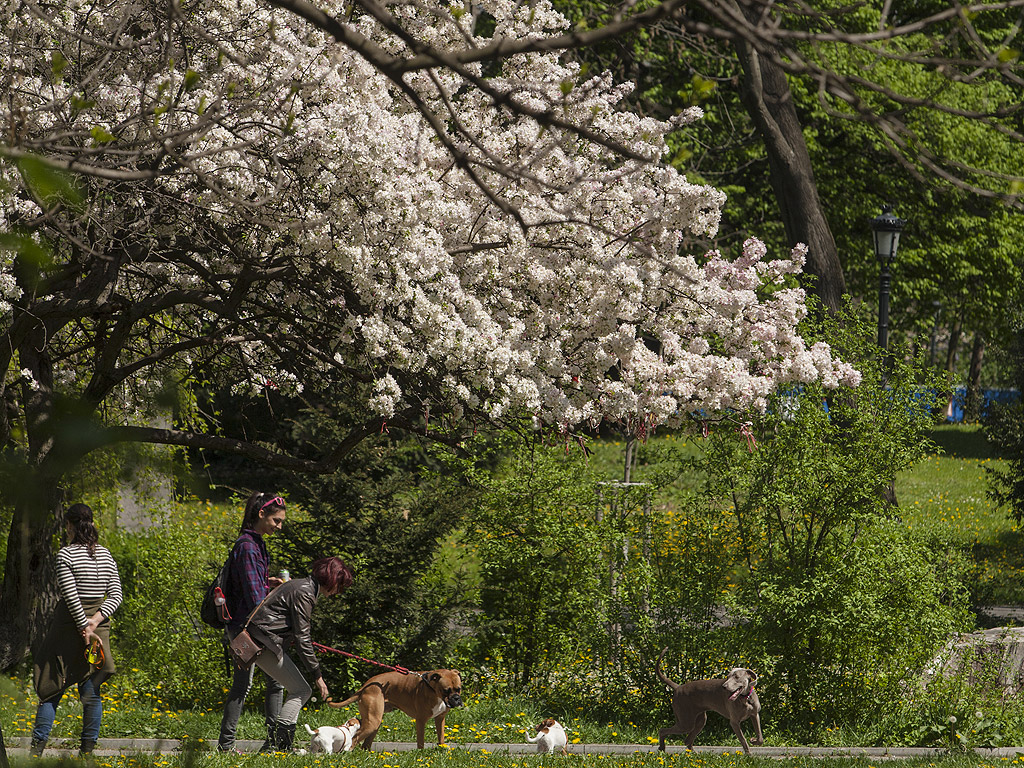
(277, 501)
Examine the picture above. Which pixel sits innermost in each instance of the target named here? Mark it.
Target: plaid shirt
(247, 576)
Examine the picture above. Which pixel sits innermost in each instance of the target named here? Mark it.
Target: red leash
(321, 647)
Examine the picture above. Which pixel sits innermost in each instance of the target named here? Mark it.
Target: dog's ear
(737, 680)
(752, 675)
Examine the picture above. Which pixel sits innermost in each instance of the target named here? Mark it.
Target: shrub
(1004, 428)
(156, 633)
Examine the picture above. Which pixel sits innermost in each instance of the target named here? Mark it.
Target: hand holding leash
(321, 688)
(94, 653)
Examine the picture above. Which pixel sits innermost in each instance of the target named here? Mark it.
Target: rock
(990, 657)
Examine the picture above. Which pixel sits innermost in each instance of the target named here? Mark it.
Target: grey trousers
(288, 675)
(241, 682)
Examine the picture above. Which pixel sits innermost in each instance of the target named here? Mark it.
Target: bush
(1004, 428)
(156, 634)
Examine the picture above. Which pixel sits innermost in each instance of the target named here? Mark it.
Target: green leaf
(702, 88)
(27, 249)
(191, 79)
(1008, 54)
(78, 103)
(49, 185)
(101, 135)
(57, 65)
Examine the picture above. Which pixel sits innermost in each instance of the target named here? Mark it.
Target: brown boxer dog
(421, 695)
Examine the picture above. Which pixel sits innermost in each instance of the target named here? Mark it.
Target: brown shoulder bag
(243, 648)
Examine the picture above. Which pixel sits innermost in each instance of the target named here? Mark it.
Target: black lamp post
(886, 229)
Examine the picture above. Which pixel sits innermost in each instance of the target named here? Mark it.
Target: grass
(456, 758)
(946, 495)
(129, 713)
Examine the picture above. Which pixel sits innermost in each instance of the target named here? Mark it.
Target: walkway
(110, 747)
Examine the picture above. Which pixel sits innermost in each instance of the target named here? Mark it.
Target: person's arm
(301, 608)
(252, 577)
(114, 595)
(111, 602)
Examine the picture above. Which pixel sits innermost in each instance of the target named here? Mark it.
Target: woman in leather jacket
(284, 618)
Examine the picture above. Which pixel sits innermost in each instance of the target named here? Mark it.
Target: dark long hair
(256, 504)
(83, 529)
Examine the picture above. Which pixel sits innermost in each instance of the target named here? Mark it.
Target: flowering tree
(255, 204)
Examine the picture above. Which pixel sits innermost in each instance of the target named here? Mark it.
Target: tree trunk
(766, 95)
(954, 345)
(951, 353)
(29, 592)
(973, 399)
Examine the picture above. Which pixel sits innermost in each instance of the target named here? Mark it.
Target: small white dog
(550, 737)
(333, 740)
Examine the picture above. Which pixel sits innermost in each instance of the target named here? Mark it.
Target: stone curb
(114, 747)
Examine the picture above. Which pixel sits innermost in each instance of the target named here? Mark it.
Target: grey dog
(732, 697)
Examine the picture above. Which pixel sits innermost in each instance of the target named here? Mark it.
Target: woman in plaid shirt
(248, 582)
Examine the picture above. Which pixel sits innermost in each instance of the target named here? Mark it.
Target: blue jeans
(92, 713)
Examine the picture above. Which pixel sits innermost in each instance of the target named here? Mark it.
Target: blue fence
(955, 412)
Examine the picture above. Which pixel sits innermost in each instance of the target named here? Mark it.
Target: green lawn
(456, 758)
(945, 495)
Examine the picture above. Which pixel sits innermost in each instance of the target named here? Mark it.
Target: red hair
(331, 573)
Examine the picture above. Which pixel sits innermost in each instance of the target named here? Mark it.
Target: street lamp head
(886, 229)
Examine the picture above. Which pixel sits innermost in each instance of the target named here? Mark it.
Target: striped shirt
(84, 577)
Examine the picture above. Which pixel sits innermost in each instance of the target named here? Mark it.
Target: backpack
(214, 610)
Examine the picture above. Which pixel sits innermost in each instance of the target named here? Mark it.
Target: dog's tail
(356, 695)
(661, 675)
(534, 739)
(345, 703)
(310, 730)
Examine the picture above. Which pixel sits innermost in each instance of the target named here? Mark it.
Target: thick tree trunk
(973, 399)
(28, 594)
(767, 97)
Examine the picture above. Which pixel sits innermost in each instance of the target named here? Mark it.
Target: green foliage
(831, 577)
(388, 511)
(156, 633)
(958, 265)
(49, 186)
(1004, 428)
(540, 596)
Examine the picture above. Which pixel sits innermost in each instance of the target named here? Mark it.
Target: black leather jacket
(284, 617)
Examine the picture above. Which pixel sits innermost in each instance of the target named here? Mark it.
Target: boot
(88, 745)
(270, 745)
(38, 745)
(285, 737)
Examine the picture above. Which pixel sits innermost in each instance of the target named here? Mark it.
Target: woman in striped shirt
(77, 646)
